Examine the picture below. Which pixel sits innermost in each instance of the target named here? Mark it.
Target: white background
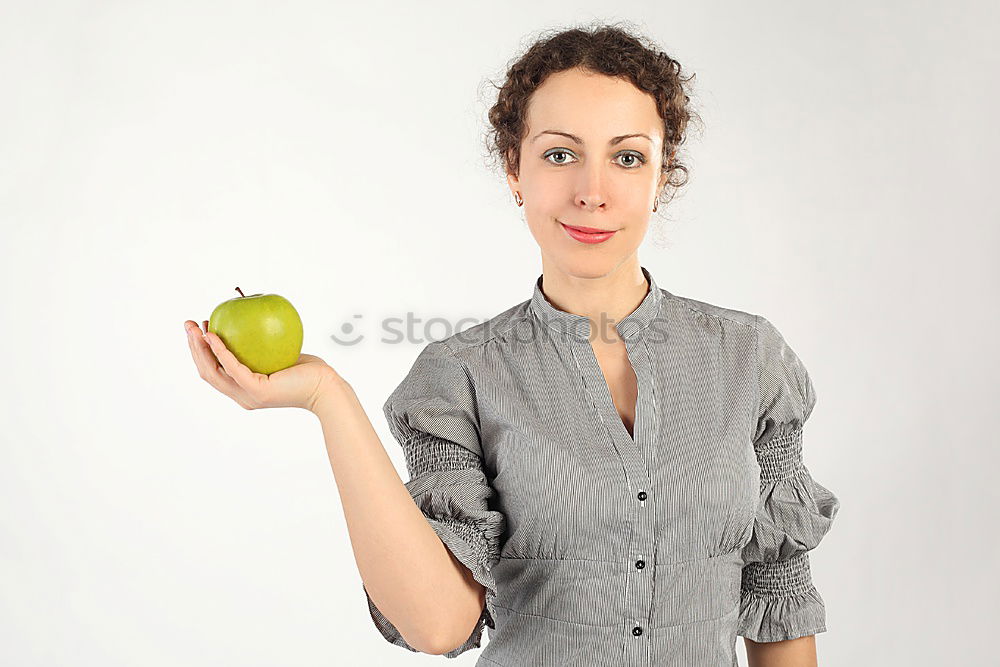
(154, 155)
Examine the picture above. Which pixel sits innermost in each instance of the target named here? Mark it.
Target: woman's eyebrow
(578, 140)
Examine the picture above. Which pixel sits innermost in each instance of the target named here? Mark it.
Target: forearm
(406, 569)
(800, 652)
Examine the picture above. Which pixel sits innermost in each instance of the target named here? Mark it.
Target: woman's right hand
(298, 386)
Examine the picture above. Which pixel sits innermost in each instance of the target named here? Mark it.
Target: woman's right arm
(413, 579)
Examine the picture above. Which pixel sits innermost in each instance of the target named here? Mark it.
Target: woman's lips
(588, 234)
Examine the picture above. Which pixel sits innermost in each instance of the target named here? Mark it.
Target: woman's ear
(513, 182)
(512, 178)
(663, 182)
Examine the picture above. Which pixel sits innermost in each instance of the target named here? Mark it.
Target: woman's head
(597, 85)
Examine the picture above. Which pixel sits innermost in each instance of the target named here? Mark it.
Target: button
(642, 495)
(637, 631)
(639, 564)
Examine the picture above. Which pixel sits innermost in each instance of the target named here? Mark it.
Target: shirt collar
(578, 326)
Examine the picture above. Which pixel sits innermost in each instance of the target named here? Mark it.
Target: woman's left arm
(800, 652)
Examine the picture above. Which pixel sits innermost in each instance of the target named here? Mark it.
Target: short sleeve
(434, 417)
(778, 600)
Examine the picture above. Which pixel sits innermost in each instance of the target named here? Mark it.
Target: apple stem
(241, 293)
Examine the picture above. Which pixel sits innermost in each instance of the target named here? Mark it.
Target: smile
(589, 234)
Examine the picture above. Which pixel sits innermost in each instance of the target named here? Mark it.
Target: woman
(606, 473)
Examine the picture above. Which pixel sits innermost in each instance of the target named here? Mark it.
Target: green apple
(263, 331)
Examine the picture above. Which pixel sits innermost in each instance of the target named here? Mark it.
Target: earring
(655, 203)
(518, 198)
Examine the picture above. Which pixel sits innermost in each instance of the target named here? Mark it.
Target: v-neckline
(608, 399)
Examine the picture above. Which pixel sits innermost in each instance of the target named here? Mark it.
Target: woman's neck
(605, 300)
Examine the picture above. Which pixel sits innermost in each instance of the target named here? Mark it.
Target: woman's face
(593, 180)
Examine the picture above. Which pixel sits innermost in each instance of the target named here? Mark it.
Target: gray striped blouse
(597, 547)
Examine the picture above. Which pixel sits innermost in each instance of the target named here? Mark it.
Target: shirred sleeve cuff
(778, 601)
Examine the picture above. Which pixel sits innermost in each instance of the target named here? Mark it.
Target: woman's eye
(637, 160)
(548, 155)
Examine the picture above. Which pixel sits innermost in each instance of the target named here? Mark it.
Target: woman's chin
(586, 264)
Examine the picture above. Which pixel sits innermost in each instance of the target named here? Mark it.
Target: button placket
(637, 451)
(634, 451)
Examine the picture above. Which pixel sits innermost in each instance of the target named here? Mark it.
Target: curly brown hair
(603, 49)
